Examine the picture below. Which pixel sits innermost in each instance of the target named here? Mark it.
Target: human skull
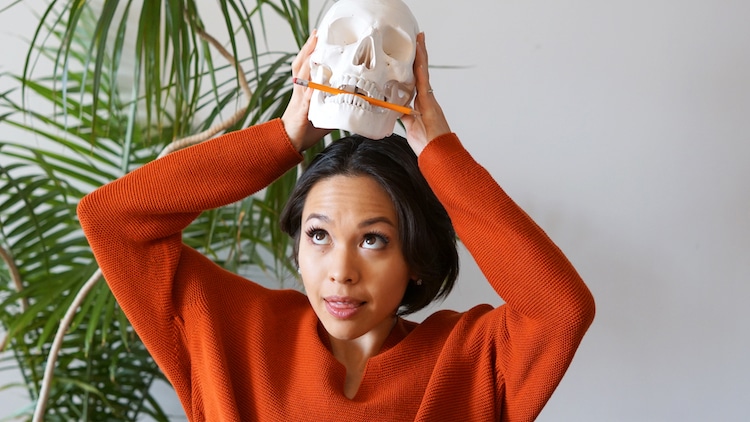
(368, 47)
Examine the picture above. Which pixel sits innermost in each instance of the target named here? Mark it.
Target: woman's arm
(134, 224)
(548, 307)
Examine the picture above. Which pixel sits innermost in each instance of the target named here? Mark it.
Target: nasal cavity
(365, 55)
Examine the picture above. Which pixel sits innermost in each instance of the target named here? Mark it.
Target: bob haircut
(426, 232)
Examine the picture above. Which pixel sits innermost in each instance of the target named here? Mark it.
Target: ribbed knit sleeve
(548, 307)
(134, 228)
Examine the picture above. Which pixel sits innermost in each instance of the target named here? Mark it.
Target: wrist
(294, 138)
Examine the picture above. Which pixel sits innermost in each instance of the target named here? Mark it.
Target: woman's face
(350, 257)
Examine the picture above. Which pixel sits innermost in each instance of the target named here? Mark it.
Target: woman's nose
(343, 266)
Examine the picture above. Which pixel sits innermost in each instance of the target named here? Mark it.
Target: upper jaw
(392, 91)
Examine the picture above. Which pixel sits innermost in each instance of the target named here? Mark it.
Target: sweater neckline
(399, 332)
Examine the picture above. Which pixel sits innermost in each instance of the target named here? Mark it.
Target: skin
(351, 263)
(348, 266)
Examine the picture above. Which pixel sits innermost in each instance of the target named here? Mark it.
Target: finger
(303, 57)
(421, 66)
(310, 44)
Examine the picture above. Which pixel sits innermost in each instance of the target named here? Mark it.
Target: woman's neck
(354, 354)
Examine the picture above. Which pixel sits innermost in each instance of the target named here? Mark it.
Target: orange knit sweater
(235, 351)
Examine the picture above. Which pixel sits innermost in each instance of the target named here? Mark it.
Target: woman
(370, 247)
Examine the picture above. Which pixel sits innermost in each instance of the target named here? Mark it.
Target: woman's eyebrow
(365, 223)
(316, 216)
(376, 220)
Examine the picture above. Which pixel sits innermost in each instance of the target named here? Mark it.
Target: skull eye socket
(397, 44)
(343, 31)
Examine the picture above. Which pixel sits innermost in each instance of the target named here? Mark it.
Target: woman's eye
(374, 241)
(319, 237)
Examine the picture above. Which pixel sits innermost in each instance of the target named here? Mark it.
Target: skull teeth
(393, 92)
(353, 89)
(361, 86)
(349, 99)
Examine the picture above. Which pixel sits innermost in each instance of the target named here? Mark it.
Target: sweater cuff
(276, 125)
(442, 153)
(271, 138)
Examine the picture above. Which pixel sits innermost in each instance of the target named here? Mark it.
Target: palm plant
(94, 131)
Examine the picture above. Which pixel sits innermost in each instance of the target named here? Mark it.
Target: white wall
(623, 128)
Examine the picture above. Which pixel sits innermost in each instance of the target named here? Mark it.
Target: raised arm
(548, 307)
(134, 224)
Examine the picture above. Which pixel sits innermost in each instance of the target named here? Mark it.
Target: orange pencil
(373, 101)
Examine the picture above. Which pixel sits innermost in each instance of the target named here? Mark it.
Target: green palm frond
(90, 127)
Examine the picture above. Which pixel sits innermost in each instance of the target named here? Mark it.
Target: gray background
(623, 128)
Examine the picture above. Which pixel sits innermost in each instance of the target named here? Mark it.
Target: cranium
(368, 47)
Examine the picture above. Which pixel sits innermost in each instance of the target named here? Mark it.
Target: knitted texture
(235, 351)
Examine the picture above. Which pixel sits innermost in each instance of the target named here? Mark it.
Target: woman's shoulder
(268, 299)
(443, 324)
(203, 286)
(446, 319)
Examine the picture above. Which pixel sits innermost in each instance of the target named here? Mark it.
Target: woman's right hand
(301, 132)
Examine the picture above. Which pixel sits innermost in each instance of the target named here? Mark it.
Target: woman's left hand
(431, 122)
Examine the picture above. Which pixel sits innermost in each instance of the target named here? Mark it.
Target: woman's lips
(342, 307)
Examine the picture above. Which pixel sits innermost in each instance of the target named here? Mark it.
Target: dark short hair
(427, 235)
